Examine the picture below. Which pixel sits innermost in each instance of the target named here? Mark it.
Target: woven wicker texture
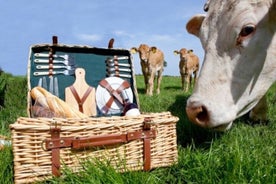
(33, 163)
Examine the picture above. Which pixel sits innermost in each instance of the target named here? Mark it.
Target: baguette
(55, 104)
(39, 97)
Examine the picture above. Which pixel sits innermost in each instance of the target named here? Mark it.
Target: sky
(93, 22)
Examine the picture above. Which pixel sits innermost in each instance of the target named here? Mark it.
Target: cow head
(144, 51)
(183, 53)
(239, 40)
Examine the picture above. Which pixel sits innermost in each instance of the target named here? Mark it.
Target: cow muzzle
(198, 114)
(207, 117)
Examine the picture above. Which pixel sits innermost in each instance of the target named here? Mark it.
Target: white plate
(102, 96)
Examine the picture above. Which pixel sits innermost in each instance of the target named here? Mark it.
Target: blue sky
(94, 22)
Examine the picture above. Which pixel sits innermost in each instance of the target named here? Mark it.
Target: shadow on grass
(141, 90)
(172, 88)
(187, 132)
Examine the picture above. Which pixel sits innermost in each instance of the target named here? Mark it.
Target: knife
(56, 92)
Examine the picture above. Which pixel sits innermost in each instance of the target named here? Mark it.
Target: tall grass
(245, 154)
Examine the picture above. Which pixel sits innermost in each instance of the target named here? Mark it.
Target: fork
(118, 69)
(65, 56)
(117, 58)
(118, 64)
(41, 67)
(68, 62)
(64, 72)
(118, 75)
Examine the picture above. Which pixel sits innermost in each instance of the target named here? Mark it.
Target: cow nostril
(203, 115)
(198, 115)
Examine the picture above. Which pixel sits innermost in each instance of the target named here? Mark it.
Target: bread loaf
(39, 97)
(55, 104)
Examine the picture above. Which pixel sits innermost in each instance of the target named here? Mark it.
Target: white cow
(239, 39)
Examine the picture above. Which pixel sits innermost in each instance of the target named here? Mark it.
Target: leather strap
(55, 40)
(115, 94)
(147, 147)
(116, 63)
(77, 97)
(55, 135)
(147, 155)
(51, 61)
(115, 60)
(51, 58)
(110, 43)
(55, 143)
(97, 141)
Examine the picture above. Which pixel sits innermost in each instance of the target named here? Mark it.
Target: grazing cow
(188, 66)
(239, 39)
(152, 62)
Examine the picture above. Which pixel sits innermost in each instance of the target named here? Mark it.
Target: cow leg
(187, 81)
(146, 80)
(195, 77)
(182, 81)
(145, 74)
(259, 112)
(190, 81)
(151, 84)
(159, 79)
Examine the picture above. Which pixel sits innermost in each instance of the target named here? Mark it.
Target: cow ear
(133, 50)
(153, 49)
(194, 24)
(176, 52)
(190, 51)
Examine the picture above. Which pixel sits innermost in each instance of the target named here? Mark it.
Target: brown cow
(188, 65)
(152, 62)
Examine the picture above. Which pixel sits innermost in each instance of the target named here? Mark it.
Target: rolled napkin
(55, 104)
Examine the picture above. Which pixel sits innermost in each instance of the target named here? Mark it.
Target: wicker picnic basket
(43, 147)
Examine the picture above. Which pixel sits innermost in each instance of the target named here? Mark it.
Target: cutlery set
(64, 64)
(115, 67)
(47, 64)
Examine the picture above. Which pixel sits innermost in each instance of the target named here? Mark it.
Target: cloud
(123, 34)
(89, 37)
(162, 38)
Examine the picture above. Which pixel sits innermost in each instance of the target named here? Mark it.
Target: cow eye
(247, 30)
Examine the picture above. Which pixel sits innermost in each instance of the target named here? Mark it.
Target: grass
(245, 154)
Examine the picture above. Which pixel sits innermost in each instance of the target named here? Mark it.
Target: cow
(188, 66)
(239, 40)
(152, 62)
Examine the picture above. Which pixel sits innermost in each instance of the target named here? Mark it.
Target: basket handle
(97, 141)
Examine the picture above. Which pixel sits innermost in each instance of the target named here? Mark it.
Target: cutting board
(80, 85)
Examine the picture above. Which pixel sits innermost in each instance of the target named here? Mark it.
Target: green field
(245, 154)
